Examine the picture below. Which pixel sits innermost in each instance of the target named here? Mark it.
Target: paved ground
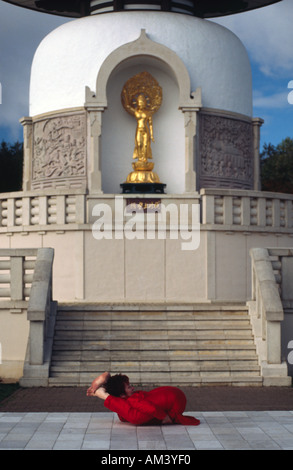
(232, 418)
(230, 430)
(74, 399)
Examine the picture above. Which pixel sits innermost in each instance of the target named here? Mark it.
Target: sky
(267, 34)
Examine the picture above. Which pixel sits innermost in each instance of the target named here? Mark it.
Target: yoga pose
(162, 405)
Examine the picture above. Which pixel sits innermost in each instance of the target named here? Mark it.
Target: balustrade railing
(221, 208)
(40, 307)
(48, 209)
(26, 285)
(16, 275)
(282, 263)
(239, 209)
(266, 312)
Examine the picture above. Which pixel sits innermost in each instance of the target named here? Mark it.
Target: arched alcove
(118, 130)
(175, 122)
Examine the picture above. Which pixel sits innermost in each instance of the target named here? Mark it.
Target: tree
(11, 163)
(277, 167)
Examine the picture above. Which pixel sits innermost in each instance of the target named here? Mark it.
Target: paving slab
(232, 418)
(76, 431)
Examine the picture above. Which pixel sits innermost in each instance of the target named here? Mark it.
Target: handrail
(26, 275)
(269, 306)
(39, 307)
(267, 313)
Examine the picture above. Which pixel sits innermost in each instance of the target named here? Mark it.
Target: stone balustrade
(282, 263)
(27, 278)
(266, 311)
(49, 208)
(16, 275)
(41, 314)
(239, 209)
(225, 209)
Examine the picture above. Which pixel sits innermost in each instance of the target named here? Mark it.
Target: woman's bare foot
(98, 382)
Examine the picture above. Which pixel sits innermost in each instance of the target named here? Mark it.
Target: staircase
(183, 347)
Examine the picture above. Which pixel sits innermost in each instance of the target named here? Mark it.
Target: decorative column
(190, 123)
(95, 131)
(27, 124)
(256, 124)
(190, 112)
(94, 120)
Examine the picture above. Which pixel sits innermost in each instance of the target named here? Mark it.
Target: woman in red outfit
(162, 405)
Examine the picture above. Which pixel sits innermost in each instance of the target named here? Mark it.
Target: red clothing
(151, 407)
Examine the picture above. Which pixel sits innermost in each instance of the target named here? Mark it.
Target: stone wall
(205, 149)
(115, 267)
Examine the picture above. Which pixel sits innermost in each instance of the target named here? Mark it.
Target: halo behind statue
(142, 84)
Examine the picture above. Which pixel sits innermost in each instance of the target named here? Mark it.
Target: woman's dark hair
(115, 385)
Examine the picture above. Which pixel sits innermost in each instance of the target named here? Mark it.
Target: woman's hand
(167, 420)
(101, 393)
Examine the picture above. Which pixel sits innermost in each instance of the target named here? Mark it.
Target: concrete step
(155, 347)
(160, 378)
(127, 368)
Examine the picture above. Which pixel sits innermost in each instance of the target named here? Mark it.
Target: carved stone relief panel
(226, 152)
(59, 152)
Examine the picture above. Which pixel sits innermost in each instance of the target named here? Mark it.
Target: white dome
(69, 58)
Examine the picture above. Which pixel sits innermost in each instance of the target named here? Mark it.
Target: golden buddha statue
(141, 97)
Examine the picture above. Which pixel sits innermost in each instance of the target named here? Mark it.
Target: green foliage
(277, 167)
(11, 163)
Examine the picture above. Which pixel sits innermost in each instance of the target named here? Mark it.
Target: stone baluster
(208, 208)
(228, 210)
(16, 278)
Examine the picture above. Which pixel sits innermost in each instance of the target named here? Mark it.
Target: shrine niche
(226, 152)
(59, 152)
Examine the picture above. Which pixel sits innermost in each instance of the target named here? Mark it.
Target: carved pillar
(190, 123)
(27, 124)
(190, 110)
(94, 108)
(257, 123)
(95, 131)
